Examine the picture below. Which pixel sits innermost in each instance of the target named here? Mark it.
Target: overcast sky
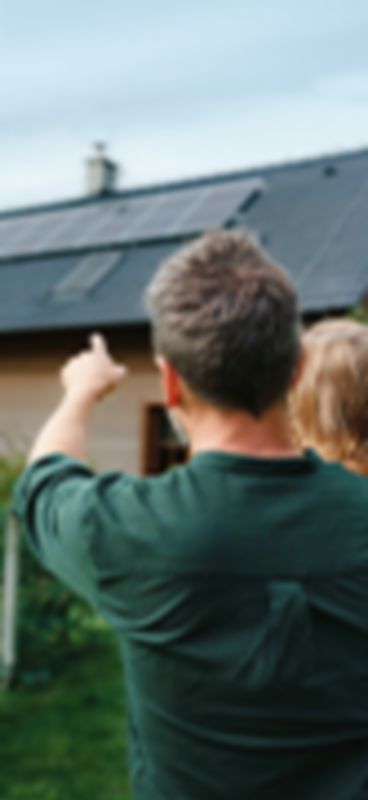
(175, 88)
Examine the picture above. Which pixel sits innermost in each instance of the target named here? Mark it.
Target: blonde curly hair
(329, 404)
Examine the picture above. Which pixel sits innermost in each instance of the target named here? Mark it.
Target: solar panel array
(121, 220)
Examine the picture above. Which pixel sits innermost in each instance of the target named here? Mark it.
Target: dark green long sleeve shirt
(238, 588)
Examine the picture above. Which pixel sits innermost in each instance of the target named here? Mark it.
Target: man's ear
(170, 380)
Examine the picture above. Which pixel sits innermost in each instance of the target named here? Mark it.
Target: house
(73, 267)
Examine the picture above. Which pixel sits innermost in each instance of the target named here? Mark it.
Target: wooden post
(9, 602)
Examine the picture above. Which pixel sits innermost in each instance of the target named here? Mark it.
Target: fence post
(9, 602)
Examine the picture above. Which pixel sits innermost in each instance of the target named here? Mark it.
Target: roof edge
(218, 177)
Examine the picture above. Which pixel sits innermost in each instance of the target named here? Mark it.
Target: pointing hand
(93, 373)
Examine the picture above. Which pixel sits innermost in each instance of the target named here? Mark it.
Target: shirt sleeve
(53, 500)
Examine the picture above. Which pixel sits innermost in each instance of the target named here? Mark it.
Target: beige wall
(29, 389)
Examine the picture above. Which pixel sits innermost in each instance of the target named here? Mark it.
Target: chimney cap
(100, 148)
(102, 172)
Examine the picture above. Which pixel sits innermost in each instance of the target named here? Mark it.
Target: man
(237, 584)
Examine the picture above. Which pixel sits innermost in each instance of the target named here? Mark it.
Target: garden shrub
(53, 624)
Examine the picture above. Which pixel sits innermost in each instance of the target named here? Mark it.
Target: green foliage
(67, 740)
(10, 469)
(53, 624)
(360, 313)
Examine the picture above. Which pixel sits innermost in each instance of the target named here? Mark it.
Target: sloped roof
(27, 301)
(313, 220)
(310, 215)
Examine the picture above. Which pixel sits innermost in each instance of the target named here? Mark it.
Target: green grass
(67, 740)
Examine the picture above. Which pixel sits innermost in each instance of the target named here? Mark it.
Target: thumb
(98, 344)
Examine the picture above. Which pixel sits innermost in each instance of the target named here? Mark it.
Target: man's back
(239, 590)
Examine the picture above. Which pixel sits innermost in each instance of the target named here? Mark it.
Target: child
(330, 402)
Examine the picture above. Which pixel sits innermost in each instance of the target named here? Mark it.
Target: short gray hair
(226, 317)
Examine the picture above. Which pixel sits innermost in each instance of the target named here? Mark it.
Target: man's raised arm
(86, 379)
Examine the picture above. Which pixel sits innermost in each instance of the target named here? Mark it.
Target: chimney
(102, 173)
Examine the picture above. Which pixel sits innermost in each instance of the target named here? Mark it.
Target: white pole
(10, 586)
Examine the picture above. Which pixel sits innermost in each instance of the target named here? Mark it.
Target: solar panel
(120, 220)
(218, 206)
(84, 277)
(21, 234)
(181, 211)
(10, 229)
(139, 221)
(29, 234)
(41, 232)
(162, 218)
(191, 210)
(73, 226)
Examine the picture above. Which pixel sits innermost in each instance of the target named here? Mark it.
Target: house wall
(30, 389)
